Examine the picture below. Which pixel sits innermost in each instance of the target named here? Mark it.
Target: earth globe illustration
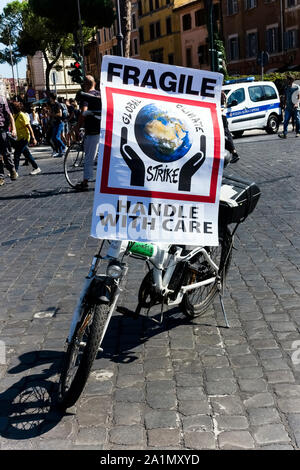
(161, 136)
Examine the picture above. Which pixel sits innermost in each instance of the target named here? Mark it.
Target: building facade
(106, 43)
(254, 26)
(60, 82)
(194, 35)
(159, 31)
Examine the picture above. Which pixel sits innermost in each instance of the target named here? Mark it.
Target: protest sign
(160, 156)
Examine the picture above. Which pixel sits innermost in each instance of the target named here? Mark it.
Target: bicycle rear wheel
(195, 302)
(81, 353)
(73, 163)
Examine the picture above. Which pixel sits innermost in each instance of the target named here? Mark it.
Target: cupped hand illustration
(131, 158)
(192, 166)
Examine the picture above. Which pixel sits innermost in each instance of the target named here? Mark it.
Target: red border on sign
(104, 188)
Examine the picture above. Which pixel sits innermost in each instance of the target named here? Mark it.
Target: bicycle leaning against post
(189, 277)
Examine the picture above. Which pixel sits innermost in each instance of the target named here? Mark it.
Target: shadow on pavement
(125, 334)
(35, 194)
(27, 408)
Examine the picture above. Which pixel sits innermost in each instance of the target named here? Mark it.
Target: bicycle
(74, 162)
(177, 275)
(74, 156)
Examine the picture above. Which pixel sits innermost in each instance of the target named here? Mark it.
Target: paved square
(182, 385)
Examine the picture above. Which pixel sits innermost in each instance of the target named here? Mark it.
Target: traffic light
(219, 66)
(77, 72)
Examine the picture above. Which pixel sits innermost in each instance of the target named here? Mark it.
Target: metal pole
(81, 36)
(262, 66)
(18, 80)
(119, 35)
(209, 7)
(12, 62)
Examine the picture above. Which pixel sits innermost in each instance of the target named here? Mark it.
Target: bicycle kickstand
(221, 293)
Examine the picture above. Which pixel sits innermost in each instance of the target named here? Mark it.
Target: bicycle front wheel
(81, 353)
(73, 163)
(195, 302)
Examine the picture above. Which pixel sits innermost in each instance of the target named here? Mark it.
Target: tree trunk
(127, 28)
(49, 66)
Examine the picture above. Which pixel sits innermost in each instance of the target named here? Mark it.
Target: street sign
(54, 77)
(262, 58)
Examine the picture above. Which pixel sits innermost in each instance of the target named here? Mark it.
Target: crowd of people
(54, 123)
(57, 122)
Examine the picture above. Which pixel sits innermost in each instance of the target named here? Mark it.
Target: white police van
(252, 105)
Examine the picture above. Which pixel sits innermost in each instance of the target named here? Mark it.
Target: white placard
(160, 156)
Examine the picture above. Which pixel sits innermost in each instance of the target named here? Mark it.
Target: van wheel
(237, 134)
(273, 124)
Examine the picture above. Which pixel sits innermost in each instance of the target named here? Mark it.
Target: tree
(31, 33)
(94, 13)
(127, 28)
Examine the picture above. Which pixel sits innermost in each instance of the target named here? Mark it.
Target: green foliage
(94, 13)
(220, 48)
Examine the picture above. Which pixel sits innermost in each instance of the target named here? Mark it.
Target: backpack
(65, 112)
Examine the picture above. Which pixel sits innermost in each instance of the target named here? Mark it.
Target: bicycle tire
(197, 301)
(67, 396)
(73, 163)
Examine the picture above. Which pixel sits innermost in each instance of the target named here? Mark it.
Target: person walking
(74, 113)
(57, 126)
(92, 130)
(291, 104)
(6, 159)
(35, 124)
(229, 145)
(24, 132)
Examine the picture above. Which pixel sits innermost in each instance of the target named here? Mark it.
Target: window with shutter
(232, 7)
(186, 22)
(252, 44)
(152, 31)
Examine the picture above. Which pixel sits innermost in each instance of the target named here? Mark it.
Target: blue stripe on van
(256, 109)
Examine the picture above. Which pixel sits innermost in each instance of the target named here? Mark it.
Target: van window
(256, 93)
(238, 95)
(270, 93)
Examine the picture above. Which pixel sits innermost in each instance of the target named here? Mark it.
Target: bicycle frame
(164, 265)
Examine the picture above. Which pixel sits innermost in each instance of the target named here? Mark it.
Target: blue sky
(5, 69)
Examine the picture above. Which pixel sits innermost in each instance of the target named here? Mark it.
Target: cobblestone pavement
(183, 385)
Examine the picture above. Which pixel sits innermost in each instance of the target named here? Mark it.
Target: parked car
(252, 105)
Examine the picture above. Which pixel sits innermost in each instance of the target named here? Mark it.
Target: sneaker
(2, 181)
(282, 136)
(55, 154)
(235, 158)
(297, 135)
(36, 171)
(83, 186)
(13, 175)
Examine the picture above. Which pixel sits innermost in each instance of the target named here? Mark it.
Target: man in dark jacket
(6, 156)
(92, 130)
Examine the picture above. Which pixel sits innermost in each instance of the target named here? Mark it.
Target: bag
(65, 112)
(238, 198)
